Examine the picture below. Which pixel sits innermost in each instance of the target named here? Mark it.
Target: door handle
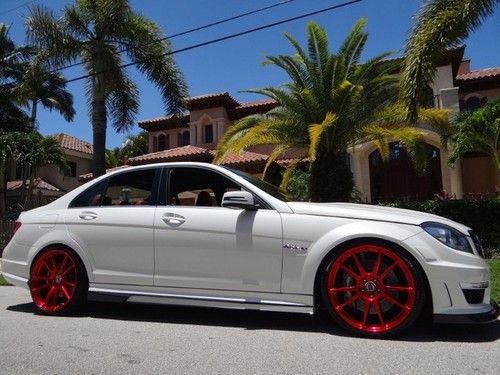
(173, 219)
(88, 216)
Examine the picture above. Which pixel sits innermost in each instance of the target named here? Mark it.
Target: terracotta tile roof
(161, 119)
(257, 103)
(245, 157)
(178, 153)
(89, 176)
(72, 143)
(211, 95)
(480, 74)
(39, 184)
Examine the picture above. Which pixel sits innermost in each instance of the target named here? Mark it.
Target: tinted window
(130, 189)
(92, 197)
(198, 187)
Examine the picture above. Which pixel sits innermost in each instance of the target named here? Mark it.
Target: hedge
(483, 216)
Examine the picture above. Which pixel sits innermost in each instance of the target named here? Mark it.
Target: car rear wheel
(373, 290)
(58, 283)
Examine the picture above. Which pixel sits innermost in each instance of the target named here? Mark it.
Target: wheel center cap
(370, 286)
(58, 279)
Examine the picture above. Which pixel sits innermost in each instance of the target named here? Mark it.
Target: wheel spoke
(348, 302)
(67, 270)
(388, 270)
(366, 311)
(392, 300)
(376, 306)
(65, 292)
(360, 267)
(40, 288)
(349, 271)
(50, 298)
(376, 266)
(63, 264)
(68, 283)
(342, 289)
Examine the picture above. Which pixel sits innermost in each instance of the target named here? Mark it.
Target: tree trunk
(331, 178)
(99, 134)
(3, 183)
(33, 115)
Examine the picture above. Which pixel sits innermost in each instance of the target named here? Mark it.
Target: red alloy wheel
(54, 280)
(371, 288)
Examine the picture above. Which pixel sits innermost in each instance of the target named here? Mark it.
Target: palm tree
(332, 102)
(6, 154)
(114, 157)
(34, 151)
(13, 63)
(41, 86)
(478, 131)
(95, 32)
(440, 24)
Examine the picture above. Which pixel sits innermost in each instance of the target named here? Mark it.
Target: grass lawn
(495, 278)
(2, 281)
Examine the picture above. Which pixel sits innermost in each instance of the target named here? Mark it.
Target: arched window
(209, 133)
(163, 142)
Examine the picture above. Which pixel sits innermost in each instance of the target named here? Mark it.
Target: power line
(227, 37)
(215, 23)
(18, 7)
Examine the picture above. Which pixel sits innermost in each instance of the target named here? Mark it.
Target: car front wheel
(58, 283)
(373, 290)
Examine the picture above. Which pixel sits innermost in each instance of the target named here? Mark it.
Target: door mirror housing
(239, 199)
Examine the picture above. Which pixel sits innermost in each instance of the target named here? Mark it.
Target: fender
(327, 239)
(59, 236)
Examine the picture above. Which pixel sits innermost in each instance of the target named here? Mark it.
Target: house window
(163, 142)
(209, 134)
(72, 168)
(473, 103)
(185, 138)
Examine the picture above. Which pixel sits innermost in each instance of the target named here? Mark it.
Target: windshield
(262, 185)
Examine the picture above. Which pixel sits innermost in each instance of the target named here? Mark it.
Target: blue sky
(235, 65)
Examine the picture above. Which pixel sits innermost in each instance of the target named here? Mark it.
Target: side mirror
(239, 199)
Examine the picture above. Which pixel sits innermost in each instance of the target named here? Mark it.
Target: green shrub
(483, 216)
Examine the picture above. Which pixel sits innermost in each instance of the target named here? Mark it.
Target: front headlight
(448, 235)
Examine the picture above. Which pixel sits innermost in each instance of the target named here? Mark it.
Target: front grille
(477, 243)
(473, 296)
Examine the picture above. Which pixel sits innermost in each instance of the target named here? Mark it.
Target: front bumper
(485, 317)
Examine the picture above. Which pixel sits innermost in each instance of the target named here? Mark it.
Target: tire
(58, 282)
(378, 276)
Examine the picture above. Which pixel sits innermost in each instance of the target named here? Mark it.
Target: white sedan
(201, 235)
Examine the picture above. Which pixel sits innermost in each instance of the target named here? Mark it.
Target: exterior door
(113, 223)
(199, 244)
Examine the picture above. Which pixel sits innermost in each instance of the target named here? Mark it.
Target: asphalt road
(145, 339)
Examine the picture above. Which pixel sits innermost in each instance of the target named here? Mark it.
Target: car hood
(371, 212)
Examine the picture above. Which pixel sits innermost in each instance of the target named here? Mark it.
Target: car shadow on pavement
(256, 320)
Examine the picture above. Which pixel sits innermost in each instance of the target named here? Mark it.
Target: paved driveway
(144, 339)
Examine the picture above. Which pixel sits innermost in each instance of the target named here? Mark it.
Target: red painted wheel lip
(53, 280)
(360, 277)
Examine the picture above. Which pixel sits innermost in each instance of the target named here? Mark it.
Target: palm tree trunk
(99, 134)
(331, 178)
(33, 114)
(3, 183)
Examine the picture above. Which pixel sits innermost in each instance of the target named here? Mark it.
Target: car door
(113, 223)
(199, 244)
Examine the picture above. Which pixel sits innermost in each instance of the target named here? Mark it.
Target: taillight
(17, 225)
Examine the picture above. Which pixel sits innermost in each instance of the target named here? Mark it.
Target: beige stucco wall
(491, 94)
(55, 177)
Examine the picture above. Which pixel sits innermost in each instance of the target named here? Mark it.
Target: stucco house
(194, 135)
(52, 183)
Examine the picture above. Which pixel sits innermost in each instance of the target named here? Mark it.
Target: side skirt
(197, 300)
